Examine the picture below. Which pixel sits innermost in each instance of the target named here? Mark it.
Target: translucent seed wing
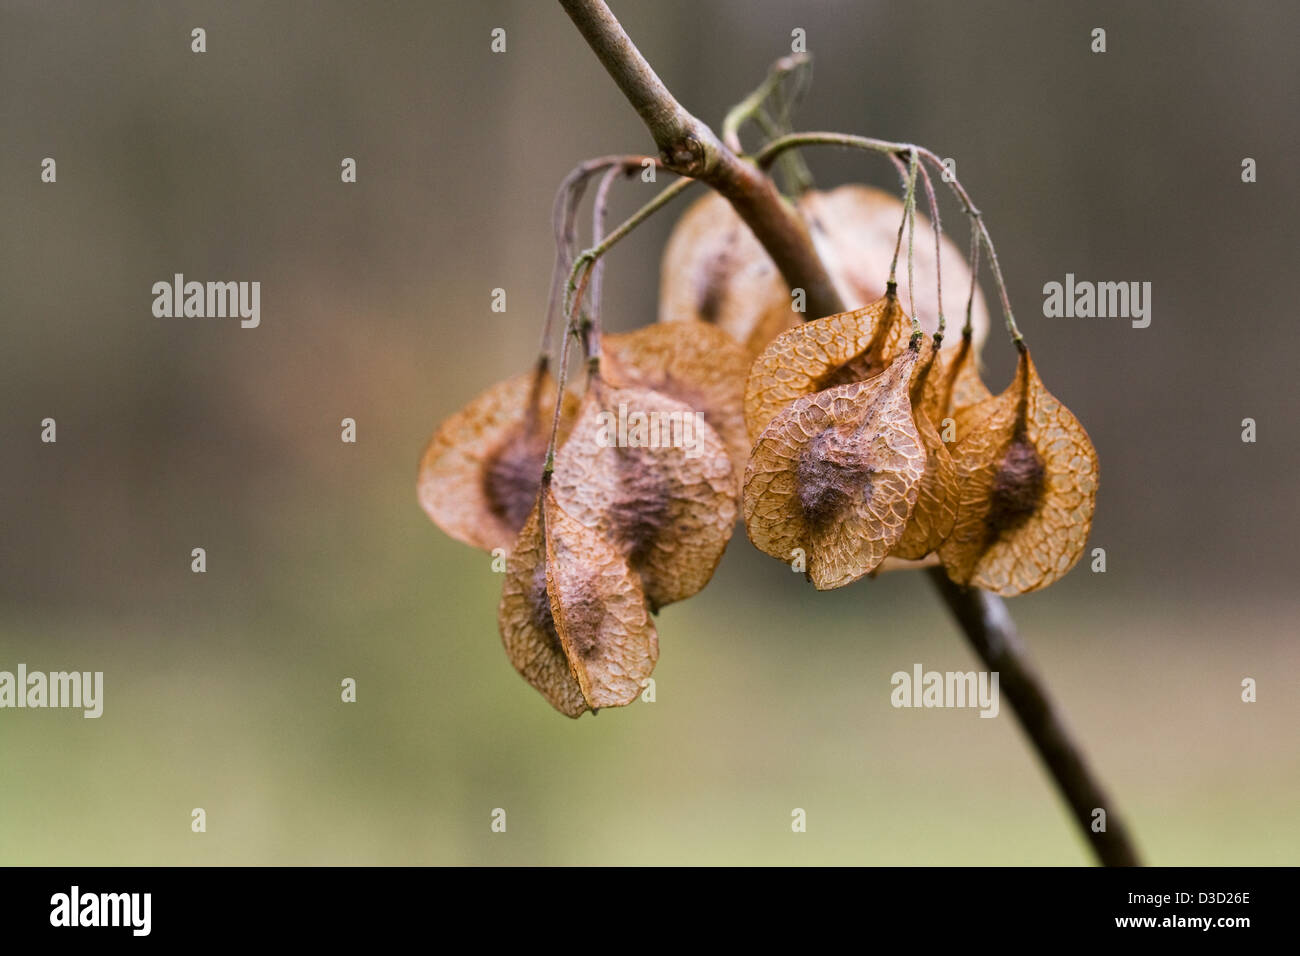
(1028, 473)
(715, 271)
(670, 510)
(527, 624)
(854, 229)
(835, 350)
(836, 474)
(693, 362)
(937, 497)
(480, 472)
(599, 611)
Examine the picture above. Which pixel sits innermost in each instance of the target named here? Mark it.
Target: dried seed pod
(1028, 475)
(650, 475)
(855, 230)
(938, 495)
(714, 270)
(573, 617)
(695, 363)
(839, 349)
(480, 472)
(954, 384)
(836, 475)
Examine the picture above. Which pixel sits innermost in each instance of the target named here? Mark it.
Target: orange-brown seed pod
(573, 617)
(695, 363)
(835, 476)
(937, 497)
(839, 349)
(480, 472)
(715, 271)
(1028, 475)
(650, 475)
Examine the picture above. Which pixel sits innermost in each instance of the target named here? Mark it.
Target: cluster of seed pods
(852, 443)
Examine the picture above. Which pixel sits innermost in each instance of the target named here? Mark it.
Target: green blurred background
(222, 689)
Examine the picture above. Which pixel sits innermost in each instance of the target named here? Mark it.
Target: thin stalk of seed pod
(911, 279)
(561, 380)
(586, 258)
(798, 177)
(599, 211)
(564, 216)
(774, 149)
(933, 200)
(909, 187)
(909, 212)
(749, 108)
(575, 289)
(966, 330)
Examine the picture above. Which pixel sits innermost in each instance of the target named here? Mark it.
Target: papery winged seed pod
(714, 270)
(836, 475)
(1028, 476)
(835, 350)
(479, 474)
(669, 506)
(694, 363)
(573, 617)
(938, 496)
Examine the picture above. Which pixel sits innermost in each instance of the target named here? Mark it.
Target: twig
(689, 147)
(988, 625)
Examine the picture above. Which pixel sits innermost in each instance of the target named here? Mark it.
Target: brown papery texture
(855, 229)
(713, 270)
(573, 617)
(1028, 474)
(937, 498)
(527, 625)
(954, 383)
(836, 475)
(481, 470)
(599, 611)
(693, 362)
(837, 350)
(669, 510)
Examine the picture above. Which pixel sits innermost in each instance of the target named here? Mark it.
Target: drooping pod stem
(966, 330)
(599, 211)
(581, 266)
(908, 222)
(769, 153)
(564, 222)
(933, 202)
(575, 289)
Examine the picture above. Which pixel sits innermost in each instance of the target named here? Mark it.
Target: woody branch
(689, 147)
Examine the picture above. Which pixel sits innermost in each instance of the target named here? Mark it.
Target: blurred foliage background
(222, 689)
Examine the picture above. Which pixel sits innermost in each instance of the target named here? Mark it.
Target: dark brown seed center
(511, 478)
(1018, 487)
(829, 475)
